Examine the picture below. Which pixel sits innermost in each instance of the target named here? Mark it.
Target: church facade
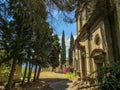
(98, 34)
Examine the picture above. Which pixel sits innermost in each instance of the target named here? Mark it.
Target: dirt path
(52, 75)
(60, 85)
(45, 84)
(47, 81)
(51, 81)
(63, 83)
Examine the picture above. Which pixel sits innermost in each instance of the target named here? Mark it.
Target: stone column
(87, 58)
(78, 24)
(117, 20)
(80, 64)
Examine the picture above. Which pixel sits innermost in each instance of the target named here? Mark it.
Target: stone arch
(98, 55)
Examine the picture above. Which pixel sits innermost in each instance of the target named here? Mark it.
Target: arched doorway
(99, 58)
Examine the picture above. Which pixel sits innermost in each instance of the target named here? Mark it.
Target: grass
(48, 74)
(70, 76)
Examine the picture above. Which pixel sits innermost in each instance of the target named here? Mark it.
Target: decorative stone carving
(97, 40)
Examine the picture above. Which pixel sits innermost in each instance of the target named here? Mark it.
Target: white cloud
(75, 36)
(67, 42)
(60, 36)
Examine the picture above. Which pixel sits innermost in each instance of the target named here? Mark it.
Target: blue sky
(59, 25)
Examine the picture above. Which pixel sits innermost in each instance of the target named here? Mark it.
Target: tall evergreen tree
(21, 33)
(63, 49)
(54, 52)
(71, 50)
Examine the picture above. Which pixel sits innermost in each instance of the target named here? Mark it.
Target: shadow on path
(60, 85)
(46, 84)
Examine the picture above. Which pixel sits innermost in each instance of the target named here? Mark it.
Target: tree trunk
(39, 70)
(11, 76)
(35, 72)
(30, 71)
(25, 72)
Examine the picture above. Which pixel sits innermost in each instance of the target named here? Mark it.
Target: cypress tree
(63, 49)
(71, 50)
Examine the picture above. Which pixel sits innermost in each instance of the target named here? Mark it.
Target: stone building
(98, 34)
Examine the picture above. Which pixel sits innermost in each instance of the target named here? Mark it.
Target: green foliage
(71, 50)
(70, 75)
(5, 68)
(63, 49)
(54, 52)
(25, 35)
(23, 70)
(110, 75)
(67, 7)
